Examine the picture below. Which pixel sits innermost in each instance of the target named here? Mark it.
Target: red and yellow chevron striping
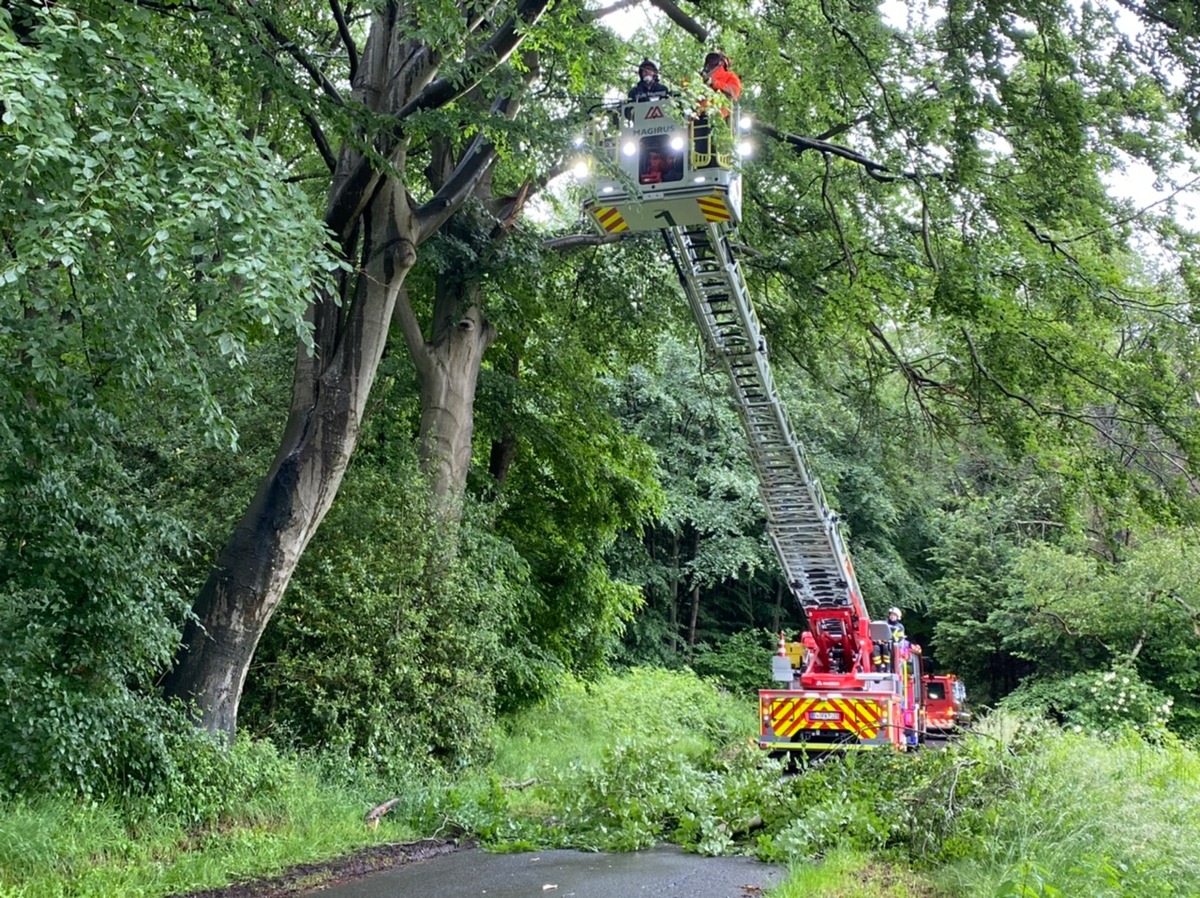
(860, 717)
(610, 219)
(713, 208)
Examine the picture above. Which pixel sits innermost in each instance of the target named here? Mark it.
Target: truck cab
(946, 710)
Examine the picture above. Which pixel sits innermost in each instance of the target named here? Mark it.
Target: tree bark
(673, 598)
(448, 369)
(504, 449)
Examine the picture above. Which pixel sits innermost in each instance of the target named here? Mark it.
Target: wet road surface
(663, 872)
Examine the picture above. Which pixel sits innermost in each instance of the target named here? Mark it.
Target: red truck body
(946, 709)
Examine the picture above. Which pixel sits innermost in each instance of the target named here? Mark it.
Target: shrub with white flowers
(1098, 702)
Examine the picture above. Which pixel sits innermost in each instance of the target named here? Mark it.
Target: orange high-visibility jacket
(726, 82)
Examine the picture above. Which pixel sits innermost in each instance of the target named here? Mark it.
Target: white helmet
(895, 611)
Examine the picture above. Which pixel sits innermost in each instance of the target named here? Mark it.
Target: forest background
(326, 421)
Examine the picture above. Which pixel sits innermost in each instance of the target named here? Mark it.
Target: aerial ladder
(845, 685)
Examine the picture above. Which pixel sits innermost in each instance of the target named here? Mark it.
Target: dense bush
(740, 663)
(389, 645)
(88, 605)
(1096, 702)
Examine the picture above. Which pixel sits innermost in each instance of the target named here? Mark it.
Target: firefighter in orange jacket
(718, 76)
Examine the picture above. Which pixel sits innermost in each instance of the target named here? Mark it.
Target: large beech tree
(379, 218)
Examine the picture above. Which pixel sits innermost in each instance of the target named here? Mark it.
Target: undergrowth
(1017, 809)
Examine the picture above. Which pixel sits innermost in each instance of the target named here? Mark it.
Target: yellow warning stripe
(713, 208)
(610, 219)
(789, 716)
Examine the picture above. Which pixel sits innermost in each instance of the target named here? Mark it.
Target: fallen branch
(524, 784)
(373, 815)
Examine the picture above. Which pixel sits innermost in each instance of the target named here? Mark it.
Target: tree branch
(682, 19)
(318, 136)
(343, 27)
(493, 53)
(404, 316)
(982, 369)
(876, 170)
(1066, 628)
(474, 166)
(575, 241)
(294, 51)
(616, 7)
(847, 254)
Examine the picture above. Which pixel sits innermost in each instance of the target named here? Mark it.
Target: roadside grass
(849, 873)
(1015, 810)
(57, 848)
(312, 810)
(1117, 817)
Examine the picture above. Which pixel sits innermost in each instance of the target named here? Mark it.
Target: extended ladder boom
(800, 524)
(849, 685)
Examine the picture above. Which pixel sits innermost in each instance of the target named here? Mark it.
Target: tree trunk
(329, 394)
(448, 369)
(504, 449)
(673, 610)
(691, 640)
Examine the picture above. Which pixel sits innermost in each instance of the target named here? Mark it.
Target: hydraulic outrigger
(844, 685)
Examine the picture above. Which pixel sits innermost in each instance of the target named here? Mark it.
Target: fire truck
(946, 711)
(846, 684)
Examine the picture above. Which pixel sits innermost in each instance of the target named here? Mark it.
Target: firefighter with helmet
(647, 85)
(719, 77)
(894, 624)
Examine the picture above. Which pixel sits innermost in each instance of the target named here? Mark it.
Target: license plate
(824, 715)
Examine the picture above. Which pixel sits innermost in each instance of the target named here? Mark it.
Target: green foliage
(1015, 808)
(388, 648)
(88, 604)
(1043, 823)
(577, 477)
(144, 230)
(620, 764)
(1097, 702)
(149, 245)
(741, 663)
(233, 814)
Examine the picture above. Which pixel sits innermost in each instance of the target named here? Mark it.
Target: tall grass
(582, 721)
(59, 848)
(1106, 818)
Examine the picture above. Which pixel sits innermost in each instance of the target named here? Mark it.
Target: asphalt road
(663, 872)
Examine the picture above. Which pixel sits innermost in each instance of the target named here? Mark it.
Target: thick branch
(575, 241)
(404, 316)
(351, 192)
(876, 170)
(682, 19)
(471, 170)
(318, 136)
